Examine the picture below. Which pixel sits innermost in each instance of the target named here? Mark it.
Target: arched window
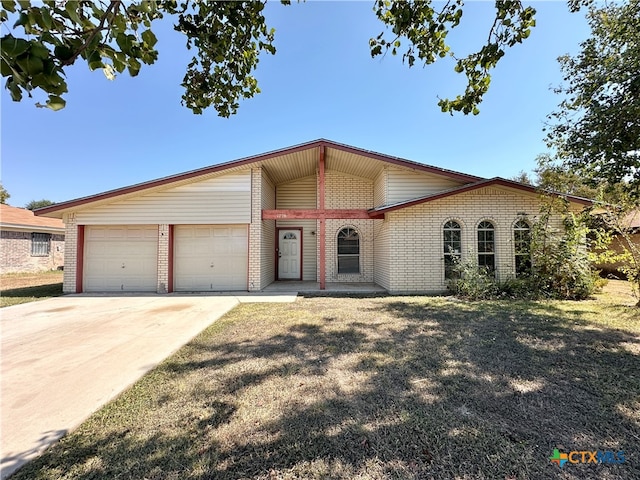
(348, 251)
(486, 246)
(452, 242)
(522, 247)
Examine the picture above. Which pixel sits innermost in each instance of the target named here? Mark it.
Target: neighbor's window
(486, 246)
(522, 247)
(452, 235)
(348, 251)
(40, 244)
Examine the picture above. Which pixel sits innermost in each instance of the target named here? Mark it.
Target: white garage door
(120, 258)
(210, 258)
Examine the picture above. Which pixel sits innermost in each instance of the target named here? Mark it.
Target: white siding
(380, 189)
(297, 194)
(406, 185)
(220, 200)
(309, 246)
(267, 247)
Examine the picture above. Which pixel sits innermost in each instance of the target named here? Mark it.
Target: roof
(633, 219)
(502, 182)
(290, 152)
(21, 218)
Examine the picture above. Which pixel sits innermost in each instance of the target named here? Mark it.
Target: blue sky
(321, 83)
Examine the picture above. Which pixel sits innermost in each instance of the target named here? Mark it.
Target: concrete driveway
(65, 357)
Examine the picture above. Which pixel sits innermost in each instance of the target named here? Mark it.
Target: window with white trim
(522, 247)
(452, 243)
(486, 246)
(348, 251)
(40, 244)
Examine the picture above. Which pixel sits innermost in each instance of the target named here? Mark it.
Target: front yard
(377, 388)
(16, 288)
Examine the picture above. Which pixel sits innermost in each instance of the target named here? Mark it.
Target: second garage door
(210, 258)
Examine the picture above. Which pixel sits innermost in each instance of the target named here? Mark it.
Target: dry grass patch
(18, 288)
(373, 388)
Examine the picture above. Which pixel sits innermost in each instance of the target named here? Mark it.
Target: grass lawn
(377, 388)
(18, 288)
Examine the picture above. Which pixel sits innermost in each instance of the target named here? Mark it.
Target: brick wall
(70, 253)
(255, 231)
(163, 258)
(15, 253)
(348, 192)
(416, 239)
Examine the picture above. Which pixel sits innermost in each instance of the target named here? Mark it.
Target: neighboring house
(620, 244)
(29, 243)
(320, 211)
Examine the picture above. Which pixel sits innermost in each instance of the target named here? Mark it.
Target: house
(621, 244)
(320, 211)
(29, 243)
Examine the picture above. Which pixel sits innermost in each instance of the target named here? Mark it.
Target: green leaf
(149, 38)
(30, 65)
(23, 19)
(5, 69)
(94, 61)
(12, 47)
(9, 5)
(134, 67)
(71, 9)
(63, 52)
(55, 103)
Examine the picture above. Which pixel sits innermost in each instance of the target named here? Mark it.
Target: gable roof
(496, 181)
(21, 218)
(289, 151)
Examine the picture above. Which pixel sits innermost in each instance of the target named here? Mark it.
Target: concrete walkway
(65, 357)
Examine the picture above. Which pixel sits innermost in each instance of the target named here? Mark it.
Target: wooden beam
(302, 214)
(322, 233)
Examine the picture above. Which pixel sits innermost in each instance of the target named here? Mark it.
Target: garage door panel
(120, 258)
(210, 258)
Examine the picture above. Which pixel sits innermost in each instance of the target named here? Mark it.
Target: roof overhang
(281, 166)
(497, 181)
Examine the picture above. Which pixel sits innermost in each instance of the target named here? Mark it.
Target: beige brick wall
(70, 253)
(163, 258)
(348, 192)
(15, 253)
(255, 231)
(345, 191)
(416, 240)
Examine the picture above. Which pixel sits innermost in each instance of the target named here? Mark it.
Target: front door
(289, 254)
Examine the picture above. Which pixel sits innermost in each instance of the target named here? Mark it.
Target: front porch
(330, 287)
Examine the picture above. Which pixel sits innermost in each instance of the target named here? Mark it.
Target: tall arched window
(486, 246)
(522, 247)
(348, 251)
(452, 243)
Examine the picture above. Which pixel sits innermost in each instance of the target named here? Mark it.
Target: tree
(596, 129)
(34, 204)
(4, 195)
(228, 38)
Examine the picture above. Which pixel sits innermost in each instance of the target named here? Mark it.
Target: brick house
(321, 212)
(29, 243)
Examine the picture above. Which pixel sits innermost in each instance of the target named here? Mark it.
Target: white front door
(289, 253)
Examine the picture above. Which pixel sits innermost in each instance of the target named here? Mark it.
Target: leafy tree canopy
(35, 204)
(44, 38)
(4, 195)
(596, 129)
